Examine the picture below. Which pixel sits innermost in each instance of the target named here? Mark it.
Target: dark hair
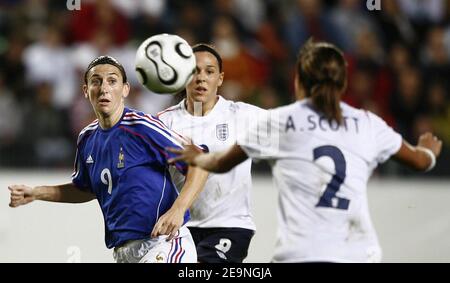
(106, 60)
(203, 47)
(322, 72)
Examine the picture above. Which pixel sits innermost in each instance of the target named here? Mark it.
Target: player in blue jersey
(122, 162)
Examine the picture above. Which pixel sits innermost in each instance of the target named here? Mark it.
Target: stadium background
(399, 65)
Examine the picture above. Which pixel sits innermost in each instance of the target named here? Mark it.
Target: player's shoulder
(172, 110)
(239, 106)
(366, 117)
(87, 131)
(353, 111)
(139, 120)
(298, 107)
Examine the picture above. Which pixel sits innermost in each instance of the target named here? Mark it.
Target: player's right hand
(428, 140)
(20, 195)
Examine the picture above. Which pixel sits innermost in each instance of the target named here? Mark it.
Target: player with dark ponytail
(322, 152)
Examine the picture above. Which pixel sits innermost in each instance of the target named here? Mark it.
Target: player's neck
(107, 122)
(196, 108)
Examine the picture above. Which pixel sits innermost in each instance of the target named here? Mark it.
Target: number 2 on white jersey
(108, 180)
(329, 198)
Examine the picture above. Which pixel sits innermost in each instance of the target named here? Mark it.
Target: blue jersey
(126, 168)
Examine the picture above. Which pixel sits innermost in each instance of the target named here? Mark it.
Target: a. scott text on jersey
(315, 122)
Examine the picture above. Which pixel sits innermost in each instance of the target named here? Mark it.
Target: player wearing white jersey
(324, 152)
(221, 223)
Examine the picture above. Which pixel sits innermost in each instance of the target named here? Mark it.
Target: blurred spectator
(186, 14)
(135, 9)
(242, 72)
(251, 13)
(149, 19)
(399, 58)
(308, 18)
(368, 48)
(48, 60)
(423, 11)
(435, 58)
(435, 52)
(99, 15)
(407, 101)
(12, 67)
(32, 18)
(395, 25)
(439, 110)
(350, 22)
(47, 128)
(11, 124)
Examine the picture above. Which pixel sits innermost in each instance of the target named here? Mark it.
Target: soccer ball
(165, 63)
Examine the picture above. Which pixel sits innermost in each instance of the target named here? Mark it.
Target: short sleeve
(80, 177)
(387, 141)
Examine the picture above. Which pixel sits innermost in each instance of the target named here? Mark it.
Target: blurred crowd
(399, 61)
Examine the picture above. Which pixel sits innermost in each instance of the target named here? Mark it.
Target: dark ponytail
(322, 73)
(325, 99)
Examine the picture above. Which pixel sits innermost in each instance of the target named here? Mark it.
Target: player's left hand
(169, 223)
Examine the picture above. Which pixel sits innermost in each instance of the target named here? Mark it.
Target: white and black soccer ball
(165, 63)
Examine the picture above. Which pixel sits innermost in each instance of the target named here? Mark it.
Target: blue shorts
(221, 245)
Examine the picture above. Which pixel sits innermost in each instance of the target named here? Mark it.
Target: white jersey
(321, 171)
(225, 200)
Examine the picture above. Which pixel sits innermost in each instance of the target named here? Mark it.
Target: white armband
(431, 155)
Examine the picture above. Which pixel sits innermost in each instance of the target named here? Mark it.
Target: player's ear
(85, 91)
(221, 77)
(126, 89)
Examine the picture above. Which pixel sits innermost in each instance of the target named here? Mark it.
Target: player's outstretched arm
(217, 162)
(171, 221)
(423, 156)
(21, 194)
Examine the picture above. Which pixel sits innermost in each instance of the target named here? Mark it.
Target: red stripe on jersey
(148, 119)
(154, 121)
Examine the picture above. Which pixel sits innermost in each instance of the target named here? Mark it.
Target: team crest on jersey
(222, 132)
(121, 163)
(160, 257)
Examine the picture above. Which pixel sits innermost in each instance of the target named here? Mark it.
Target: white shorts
(180, 249)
